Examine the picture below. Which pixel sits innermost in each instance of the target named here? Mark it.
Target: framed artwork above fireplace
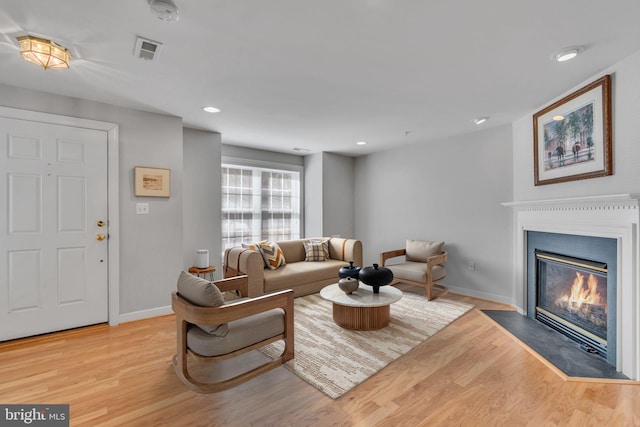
(572, 137)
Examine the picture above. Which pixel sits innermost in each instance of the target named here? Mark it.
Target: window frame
(229, 161)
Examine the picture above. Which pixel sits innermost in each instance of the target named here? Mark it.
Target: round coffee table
(362, 310)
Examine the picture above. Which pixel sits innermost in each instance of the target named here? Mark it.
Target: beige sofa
(297, 274)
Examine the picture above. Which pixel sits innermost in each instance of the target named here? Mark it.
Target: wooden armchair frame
(431, 262)
(190, 313)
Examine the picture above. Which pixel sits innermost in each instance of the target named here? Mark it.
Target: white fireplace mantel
(587, 201)
(613, 216)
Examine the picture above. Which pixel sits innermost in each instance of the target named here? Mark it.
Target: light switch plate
(142, 208)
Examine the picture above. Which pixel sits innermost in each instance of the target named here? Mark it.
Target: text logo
(34, 415)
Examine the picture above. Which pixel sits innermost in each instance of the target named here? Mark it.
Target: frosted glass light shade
(44, 53)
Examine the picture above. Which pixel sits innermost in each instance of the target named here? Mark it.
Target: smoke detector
(165, 10)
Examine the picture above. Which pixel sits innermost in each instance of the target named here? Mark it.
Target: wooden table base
(361, 318)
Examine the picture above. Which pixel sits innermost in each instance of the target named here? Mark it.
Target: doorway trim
(113, 182)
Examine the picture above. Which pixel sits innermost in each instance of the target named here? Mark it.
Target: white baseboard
(145, 314)
(483, 295)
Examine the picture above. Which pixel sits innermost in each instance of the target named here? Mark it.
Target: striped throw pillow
(273, 255)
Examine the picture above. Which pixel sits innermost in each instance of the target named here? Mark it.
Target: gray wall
(329, 191)
(338, 194)
(201, 199)
(447, 190)
(626, 143)
(313, 200)
(151, 245)
(261, 155)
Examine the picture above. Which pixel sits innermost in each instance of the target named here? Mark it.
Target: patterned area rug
(334, 360)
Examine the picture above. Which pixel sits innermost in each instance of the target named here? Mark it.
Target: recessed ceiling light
(558, 118)
(211, 109)
(480, 120)
(361, 143)
(567, 53)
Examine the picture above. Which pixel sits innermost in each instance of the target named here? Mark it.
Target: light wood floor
(471, 373)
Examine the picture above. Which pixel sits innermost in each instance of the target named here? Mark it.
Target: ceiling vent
(147, 49)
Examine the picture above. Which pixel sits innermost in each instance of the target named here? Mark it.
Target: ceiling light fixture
(480, 120)
(44, 53)
(361, 143)
(209, 109)
(165, 10)
(567, 53)
(558, 118)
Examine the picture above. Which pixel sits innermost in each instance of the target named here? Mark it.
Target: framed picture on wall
(572, 137)
(152, 182)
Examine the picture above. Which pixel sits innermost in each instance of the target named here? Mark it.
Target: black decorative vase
(350, 271)
(375, 277)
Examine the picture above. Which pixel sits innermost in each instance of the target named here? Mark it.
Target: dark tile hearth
(559, 350)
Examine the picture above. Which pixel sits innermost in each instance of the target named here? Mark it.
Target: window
(259, 203)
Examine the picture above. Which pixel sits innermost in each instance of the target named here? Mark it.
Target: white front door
(53, 214)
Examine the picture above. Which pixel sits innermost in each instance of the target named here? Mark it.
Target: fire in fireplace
(572, 298)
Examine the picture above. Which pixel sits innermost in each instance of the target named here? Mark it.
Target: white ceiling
(322, 75)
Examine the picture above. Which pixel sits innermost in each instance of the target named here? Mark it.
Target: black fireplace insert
(572, 298)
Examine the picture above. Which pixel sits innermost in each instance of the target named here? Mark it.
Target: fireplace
(572, 287)
(571, 297)
(615, 218)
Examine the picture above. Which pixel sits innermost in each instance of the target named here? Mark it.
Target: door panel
(24, 199)
(24, 280)
(71, 204)
(53, 271)
(72, 275)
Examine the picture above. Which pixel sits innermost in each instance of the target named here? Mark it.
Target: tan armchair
(210, 329)
(423, 265)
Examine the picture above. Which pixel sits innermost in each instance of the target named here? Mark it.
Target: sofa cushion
(204, 293)
(272, 254)
(293, 250)
(295, 274)
(256, 247)
(316, 250)
(420, 251)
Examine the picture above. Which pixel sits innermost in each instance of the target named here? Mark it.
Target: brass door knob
(100, 223)
(100, 236)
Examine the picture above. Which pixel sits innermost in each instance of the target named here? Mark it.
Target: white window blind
(259, 203)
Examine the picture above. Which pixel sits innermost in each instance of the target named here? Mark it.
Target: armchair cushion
(242, 333)
(316, 250)
(202, 292)
(416, 271)
(420, 251)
